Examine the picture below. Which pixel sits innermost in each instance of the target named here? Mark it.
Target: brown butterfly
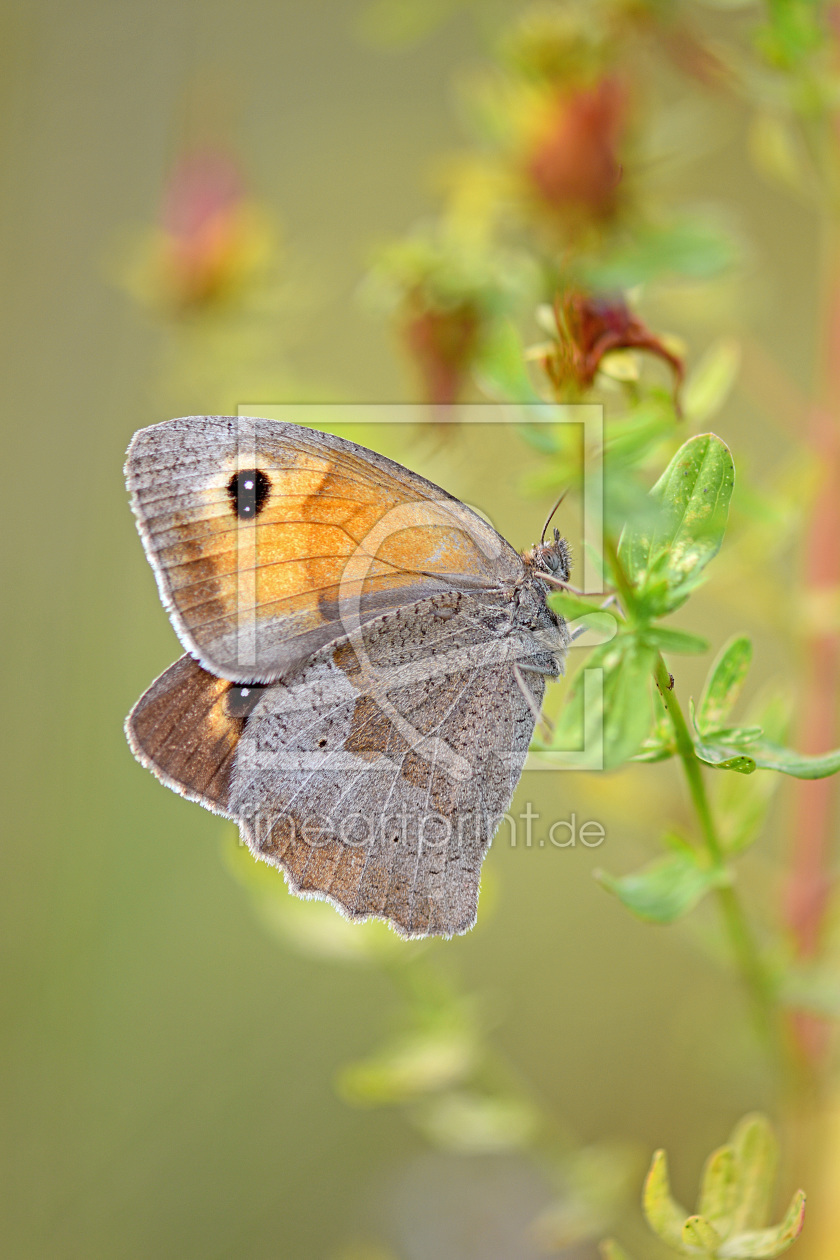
(366, 658)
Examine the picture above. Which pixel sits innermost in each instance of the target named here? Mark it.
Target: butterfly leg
(559, 584)
(611, 599)
(539, 716)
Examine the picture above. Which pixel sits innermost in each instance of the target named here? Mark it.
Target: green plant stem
(743, 944)
(624, 589)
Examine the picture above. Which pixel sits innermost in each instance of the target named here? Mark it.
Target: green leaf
(695, 249)
(757, 1153)
(627, 665)
(699, 1235)
(724, 757)
(694, 492)
(763, 1244)
(710, 384)
(666, 639)
(660, 744)
(770, 756)
(664, 1215)
(630, 440)
(664, 890)
(572, 607)
(720, 1189)
(724, 683)
(626, 717)
(415, 1065)
(736, 736)
(500, 370)
(654, 750)
(472, 1123)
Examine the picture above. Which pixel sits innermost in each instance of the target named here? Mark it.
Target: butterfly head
(552, 558)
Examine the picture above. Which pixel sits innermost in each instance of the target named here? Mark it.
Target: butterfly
(365, 661)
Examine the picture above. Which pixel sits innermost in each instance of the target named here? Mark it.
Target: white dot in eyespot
(249, 485)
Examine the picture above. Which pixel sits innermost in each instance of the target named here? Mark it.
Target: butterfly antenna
(551, 513)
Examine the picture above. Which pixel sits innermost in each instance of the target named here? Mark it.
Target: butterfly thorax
(547, 565)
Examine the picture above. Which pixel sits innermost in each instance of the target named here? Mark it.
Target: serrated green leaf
(667, 639)
(664, 1215)
(763, 1244)
(799, 765)
(724, 683)
(664, 890)
(757, 1153)
(625, 721)
(724, 757)
(694, 494)
(699, 1235)
(720, 1189)
(710, 384)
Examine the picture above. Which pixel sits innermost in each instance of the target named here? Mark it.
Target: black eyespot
(241, 701)
(248, 491)
(322, 743)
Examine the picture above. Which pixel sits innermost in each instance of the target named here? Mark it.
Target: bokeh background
(174, 1040)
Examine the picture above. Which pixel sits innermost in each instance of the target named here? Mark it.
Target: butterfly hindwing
(186, 728)
(377, 774)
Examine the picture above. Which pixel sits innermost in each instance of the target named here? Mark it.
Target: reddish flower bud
(441, 340)
(588, 328)
(574, 163)
(206, 238)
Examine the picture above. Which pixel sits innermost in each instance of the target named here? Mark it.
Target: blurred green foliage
(734, 1201)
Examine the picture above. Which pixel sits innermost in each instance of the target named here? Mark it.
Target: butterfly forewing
(271, 540)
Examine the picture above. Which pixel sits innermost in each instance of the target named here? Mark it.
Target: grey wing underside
(384, 817)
